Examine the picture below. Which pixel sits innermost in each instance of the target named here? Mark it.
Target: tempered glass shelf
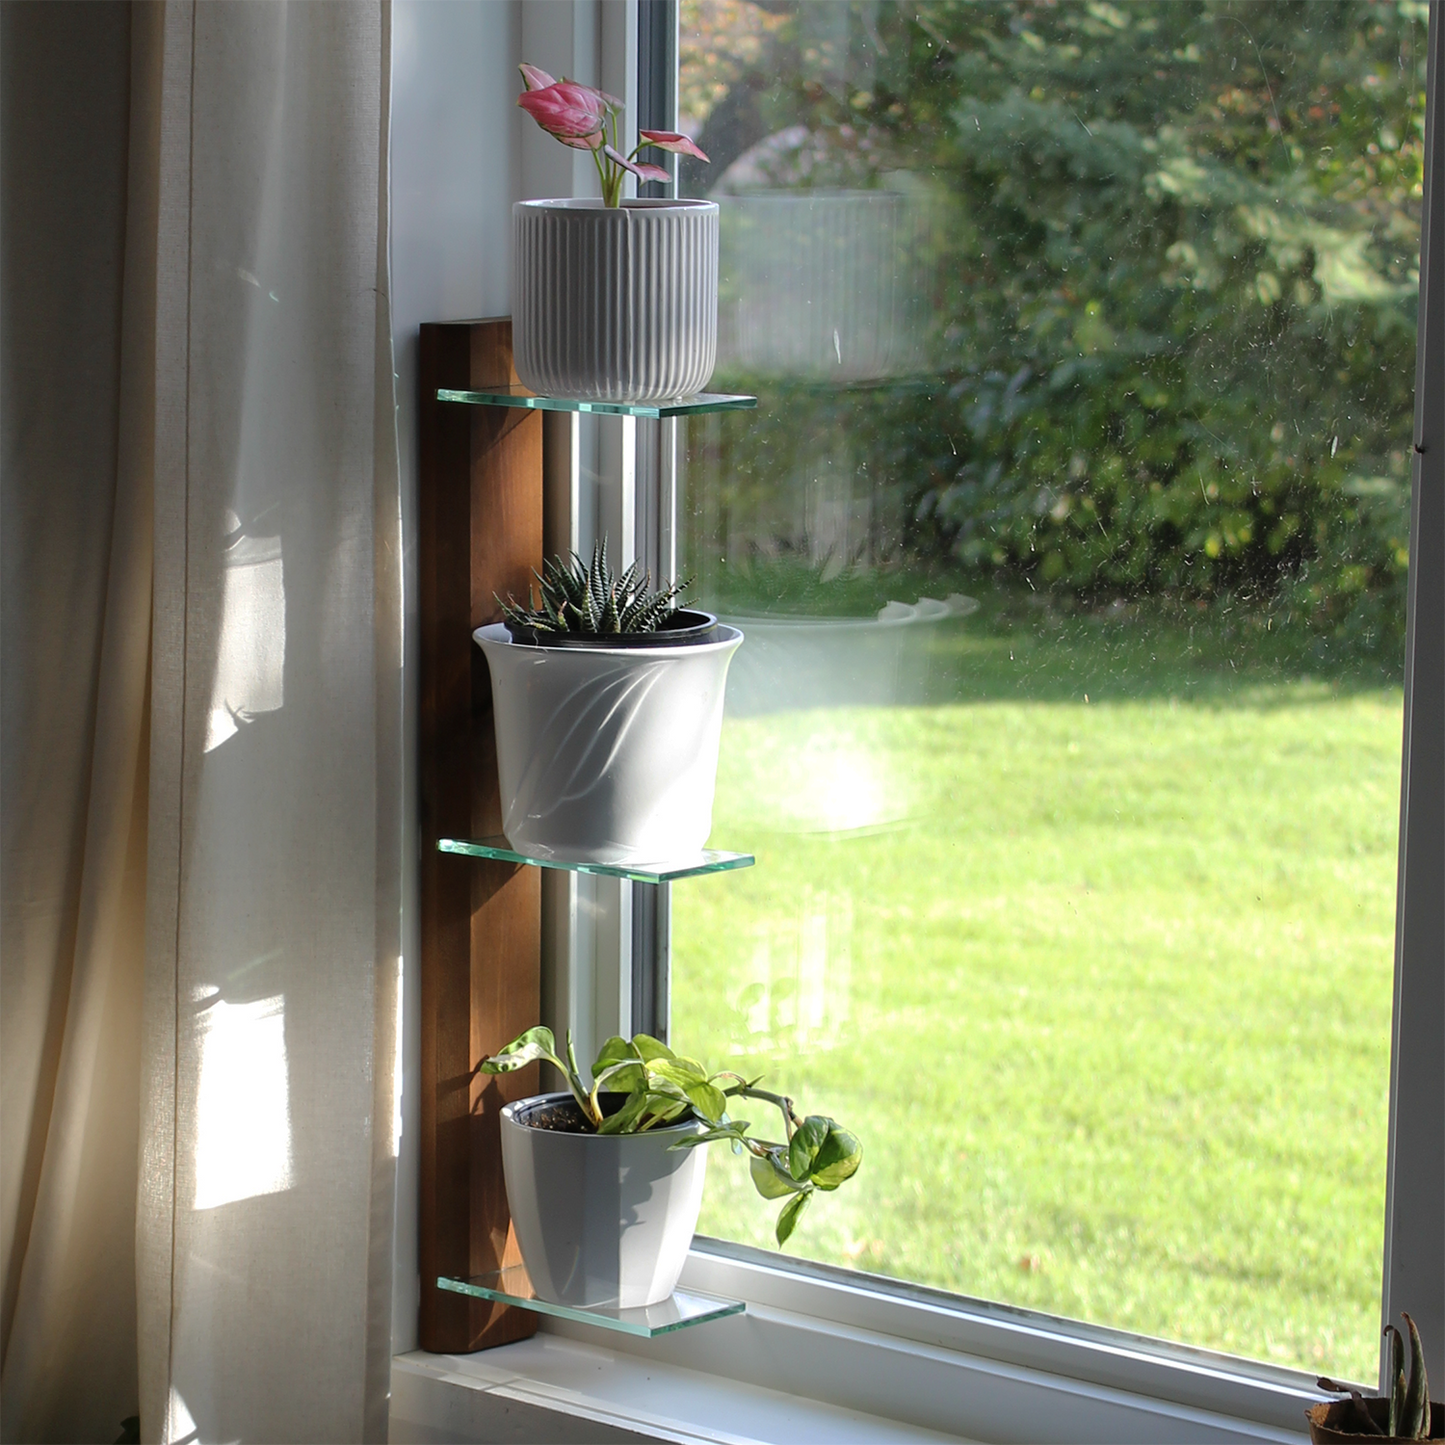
(703, 401)
(512, 1287)
(708, 861)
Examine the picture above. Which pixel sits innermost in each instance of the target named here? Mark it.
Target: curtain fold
(202, 722)
(76, 618)
(272, 930)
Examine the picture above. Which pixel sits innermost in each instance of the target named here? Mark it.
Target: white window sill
(888, 1370)
(555, 1390)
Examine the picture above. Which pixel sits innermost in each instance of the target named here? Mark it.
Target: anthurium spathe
(575, 114)
(669, 140)
(585, 118)
(535, 77)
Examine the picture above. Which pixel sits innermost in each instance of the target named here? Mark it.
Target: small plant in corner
(1403, 1413)
(640, 1084)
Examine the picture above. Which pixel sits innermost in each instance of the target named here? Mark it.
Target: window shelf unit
(483, 464)
(699, 404)
(696, 866)
(682, 1309)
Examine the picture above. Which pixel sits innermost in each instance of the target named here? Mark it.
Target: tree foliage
(1177, 284)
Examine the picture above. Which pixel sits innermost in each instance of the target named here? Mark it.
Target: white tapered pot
(601, 1218)
(607, 755)
(614, 304)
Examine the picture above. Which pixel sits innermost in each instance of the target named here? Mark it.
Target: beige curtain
(202, 715)
(76, 630)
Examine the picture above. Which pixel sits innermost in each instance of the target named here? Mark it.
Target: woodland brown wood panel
(479, 535)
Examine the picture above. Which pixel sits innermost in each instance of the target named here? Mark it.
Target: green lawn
(1103, 985)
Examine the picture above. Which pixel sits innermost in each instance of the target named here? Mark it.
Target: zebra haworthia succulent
(588, 601)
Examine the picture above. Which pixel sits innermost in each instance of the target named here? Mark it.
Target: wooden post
(480, 533)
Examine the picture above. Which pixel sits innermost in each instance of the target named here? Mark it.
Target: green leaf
(734, 1132)
(616, 1048)
(596, 585)
(680, 1072)
(650, 1048)
(665, 1088)
(620, 1078)
(1415, 1416)
(707, 1100)
(788, 1219)
(664, 1108)
(528, 1048)
(805, 1143)
(626, 1119)
(837, 1159)
(770, 1179)
(1395, 1379)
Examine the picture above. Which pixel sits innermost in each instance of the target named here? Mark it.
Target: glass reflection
(1070, 542)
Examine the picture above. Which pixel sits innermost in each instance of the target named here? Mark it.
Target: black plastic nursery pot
(683, 626)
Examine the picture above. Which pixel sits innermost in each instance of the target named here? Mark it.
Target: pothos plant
(663, 1088)
(585, 118)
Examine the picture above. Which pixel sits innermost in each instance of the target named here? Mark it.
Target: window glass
(1070, 543)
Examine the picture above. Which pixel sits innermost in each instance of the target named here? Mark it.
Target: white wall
(461, 153)
(455, 146)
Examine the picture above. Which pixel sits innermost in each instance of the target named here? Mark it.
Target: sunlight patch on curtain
(243, 1112)
(251, 661)
(181, 1428)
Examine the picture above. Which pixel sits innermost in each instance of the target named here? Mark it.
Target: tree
(1176, 298)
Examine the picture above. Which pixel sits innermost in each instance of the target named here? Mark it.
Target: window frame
(1004, 1374)
(819, 1313)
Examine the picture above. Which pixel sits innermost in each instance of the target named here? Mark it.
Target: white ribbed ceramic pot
(607, 755)
(614, 305)
(601, 1218)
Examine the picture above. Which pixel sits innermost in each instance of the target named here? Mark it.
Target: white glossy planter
(601, 1218)
(607, 755)
(614, 305)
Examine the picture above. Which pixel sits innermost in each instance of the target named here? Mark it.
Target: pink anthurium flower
(536, 79)
(585, 118)
(669, 140)
(641, 169)
(569, 112)
(591, 142)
